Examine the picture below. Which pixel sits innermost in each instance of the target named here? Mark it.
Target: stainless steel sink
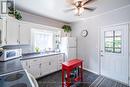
(13, 77)
(19, 85)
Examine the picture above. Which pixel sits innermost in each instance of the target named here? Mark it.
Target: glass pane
(117, 33)
(108, 42)
(113, 41)
(118, 42)
(43, 40)
(109, 49)
(109, 33)
(117, 50)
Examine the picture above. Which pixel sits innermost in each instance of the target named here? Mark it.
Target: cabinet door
(25, 30)
(26, 65)
(53, 63)
(35, 67)
(44, 66)
(60, 61)
(12, 37)
(3, 31)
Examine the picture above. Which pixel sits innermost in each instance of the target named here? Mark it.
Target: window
(113, 41)
(45, 40)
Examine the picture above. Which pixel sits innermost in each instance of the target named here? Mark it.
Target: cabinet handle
(40, 65)
(29, 66)
(34, 60)
(49, 63)
(5, 41)
(101, 55)
(0, 41)
(17, 41)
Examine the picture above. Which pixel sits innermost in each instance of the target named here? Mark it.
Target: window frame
(55, 31)
(113, 40)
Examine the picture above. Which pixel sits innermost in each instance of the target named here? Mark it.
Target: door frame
(128, 25)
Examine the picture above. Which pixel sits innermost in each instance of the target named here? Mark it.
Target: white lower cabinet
(60, 61)
(53, 63)
(42, 66)
(34, 67)
(25, 64)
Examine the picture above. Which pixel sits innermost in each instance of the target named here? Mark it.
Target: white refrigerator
(68, 46)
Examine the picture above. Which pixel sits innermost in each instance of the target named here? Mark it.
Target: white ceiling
(56, 8)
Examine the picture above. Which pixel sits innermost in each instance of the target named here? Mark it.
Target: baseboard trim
(91, 71)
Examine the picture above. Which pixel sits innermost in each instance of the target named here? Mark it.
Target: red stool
(68, 67)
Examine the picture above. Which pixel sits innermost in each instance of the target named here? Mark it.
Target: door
(114, 52)
(12, 37)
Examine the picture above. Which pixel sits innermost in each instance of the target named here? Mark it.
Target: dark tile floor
(54, 80)
(90, 80)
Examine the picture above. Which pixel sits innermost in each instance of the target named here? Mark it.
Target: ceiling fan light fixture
(81, 5)
(76, 11)
(81, 10)
(77, 1)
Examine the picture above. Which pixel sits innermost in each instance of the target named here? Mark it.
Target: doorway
(114, 52)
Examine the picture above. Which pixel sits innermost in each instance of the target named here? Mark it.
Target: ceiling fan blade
(88, 1)
(68, 10)
(90, 9)
(70, 2)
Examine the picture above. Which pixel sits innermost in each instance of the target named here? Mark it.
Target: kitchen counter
(10, 66)
(37, 55)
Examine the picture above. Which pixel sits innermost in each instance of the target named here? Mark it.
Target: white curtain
(43, 40)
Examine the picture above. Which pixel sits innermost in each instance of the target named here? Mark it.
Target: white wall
(88, 48)
(41, 20)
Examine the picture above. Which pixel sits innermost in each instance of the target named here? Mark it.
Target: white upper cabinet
(25, 33)
(12, 32)
(15, 32)
(2, 32)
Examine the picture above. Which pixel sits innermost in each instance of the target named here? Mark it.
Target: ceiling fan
(79, 6)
